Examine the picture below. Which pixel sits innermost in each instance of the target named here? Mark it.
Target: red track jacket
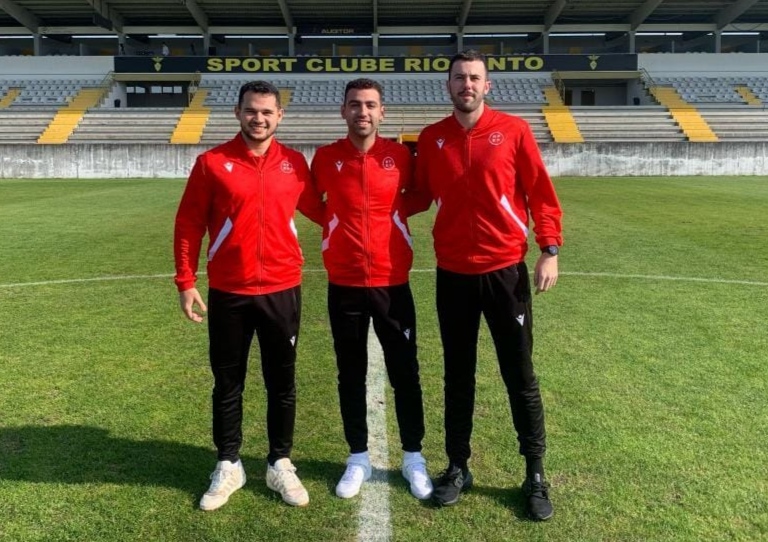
(366, 240)
(484, 181)
(246, 203)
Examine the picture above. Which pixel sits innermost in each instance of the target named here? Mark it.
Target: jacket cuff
(547, 241)
(185, 285)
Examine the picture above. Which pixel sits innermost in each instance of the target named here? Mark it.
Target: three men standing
(484, 171)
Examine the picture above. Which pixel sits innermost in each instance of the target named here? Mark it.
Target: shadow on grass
(76, 454)
(510, 498)
(329, 473)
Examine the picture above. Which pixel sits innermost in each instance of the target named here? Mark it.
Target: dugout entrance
(602, 89)
(155, 90)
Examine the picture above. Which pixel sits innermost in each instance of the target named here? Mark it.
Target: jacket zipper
(366, 220)
(262, 221)
(468, 180)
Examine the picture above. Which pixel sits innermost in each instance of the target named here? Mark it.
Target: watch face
(552, 249)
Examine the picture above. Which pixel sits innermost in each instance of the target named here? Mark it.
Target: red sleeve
(311, 202)
(191, 224)
(542, 199)
(418, 197)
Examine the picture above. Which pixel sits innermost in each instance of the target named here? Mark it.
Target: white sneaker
(281, 477)
(225, 480)
(358, 471)
(415, 472)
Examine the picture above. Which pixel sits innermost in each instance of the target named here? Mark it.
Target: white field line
(374, 520)
(562, 273)
(91, 279)
(664, 277)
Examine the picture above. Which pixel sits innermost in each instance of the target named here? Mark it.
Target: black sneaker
(536, 493)
(449, 485)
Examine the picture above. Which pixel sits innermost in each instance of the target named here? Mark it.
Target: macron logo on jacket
(339, 163)
(440, 143)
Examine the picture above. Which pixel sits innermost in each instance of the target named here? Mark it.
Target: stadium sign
(336, 64)
(334, 31)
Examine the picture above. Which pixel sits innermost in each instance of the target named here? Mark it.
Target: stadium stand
(684, 98)
(411, 104)
(19, 126)
(398, 91)
(705, 108)
(737, 125)
(703, 89)
(193, 119)
(140, 125)
(36, 92)
(627, 124)
(717, 94)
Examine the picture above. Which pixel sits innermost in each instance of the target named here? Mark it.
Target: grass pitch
(654, 385)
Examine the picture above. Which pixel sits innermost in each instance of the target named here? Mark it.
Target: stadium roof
(381, 16)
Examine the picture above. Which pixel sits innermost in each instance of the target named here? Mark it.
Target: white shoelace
(220, 478)
(416, 469)
(354, 473)
(287, 478)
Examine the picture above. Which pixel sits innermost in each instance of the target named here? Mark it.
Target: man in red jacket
(244, 193)
(367, 253)
(485, 172)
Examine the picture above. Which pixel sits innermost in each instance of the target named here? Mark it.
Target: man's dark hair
(259, 87)
(470, 55)
(363, 84)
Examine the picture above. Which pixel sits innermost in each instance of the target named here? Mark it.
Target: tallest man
(485, 172)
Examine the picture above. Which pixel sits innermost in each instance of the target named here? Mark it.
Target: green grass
(655, 390)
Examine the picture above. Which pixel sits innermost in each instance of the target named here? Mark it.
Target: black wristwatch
(552, 250)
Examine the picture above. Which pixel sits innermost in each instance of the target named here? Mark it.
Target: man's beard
(466, 107)
(267, 133)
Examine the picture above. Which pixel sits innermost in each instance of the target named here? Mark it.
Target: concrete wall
(588, 159)
(705, 64)
(55, 67)
(651, 159)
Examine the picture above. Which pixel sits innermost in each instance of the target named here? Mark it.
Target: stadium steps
(748, 95)
(561, 123)
(136, 125)
(626, 123)
(744, 123)
(23, 126)
(9, 98)
(285, 96)
(686, 115)
(189, 129)
(67, 118)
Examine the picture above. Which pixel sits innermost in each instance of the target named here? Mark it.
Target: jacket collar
(482, 122)
(375, 149)
(242, 147)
